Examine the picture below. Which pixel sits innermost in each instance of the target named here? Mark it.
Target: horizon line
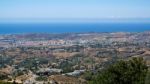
(43, 20)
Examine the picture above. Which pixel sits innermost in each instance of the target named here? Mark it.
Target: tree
(123, 72)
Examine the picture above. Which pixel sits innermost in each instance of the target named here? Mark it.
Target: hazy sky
(47, 9)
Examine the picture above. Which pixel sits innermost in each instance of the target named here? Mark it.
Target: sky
(73, 9)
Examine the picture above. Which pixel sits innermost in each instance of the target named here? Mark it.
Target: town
(66, 58)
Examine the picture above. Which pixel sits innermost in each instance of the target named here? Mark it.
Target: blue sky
(73, 9)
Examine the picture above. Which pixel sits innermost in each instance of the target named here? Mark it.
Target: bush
(123, 72)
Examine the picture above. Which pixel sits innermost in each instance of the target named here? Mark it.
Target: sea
(13, 28)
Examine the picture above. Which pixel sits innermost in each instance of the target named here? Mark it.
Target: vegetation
(41, 78)
(68, 64)
(5, 60)
(123, 72)
(33, 63)
(147, 80)
(5, 82)
(3, 76)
